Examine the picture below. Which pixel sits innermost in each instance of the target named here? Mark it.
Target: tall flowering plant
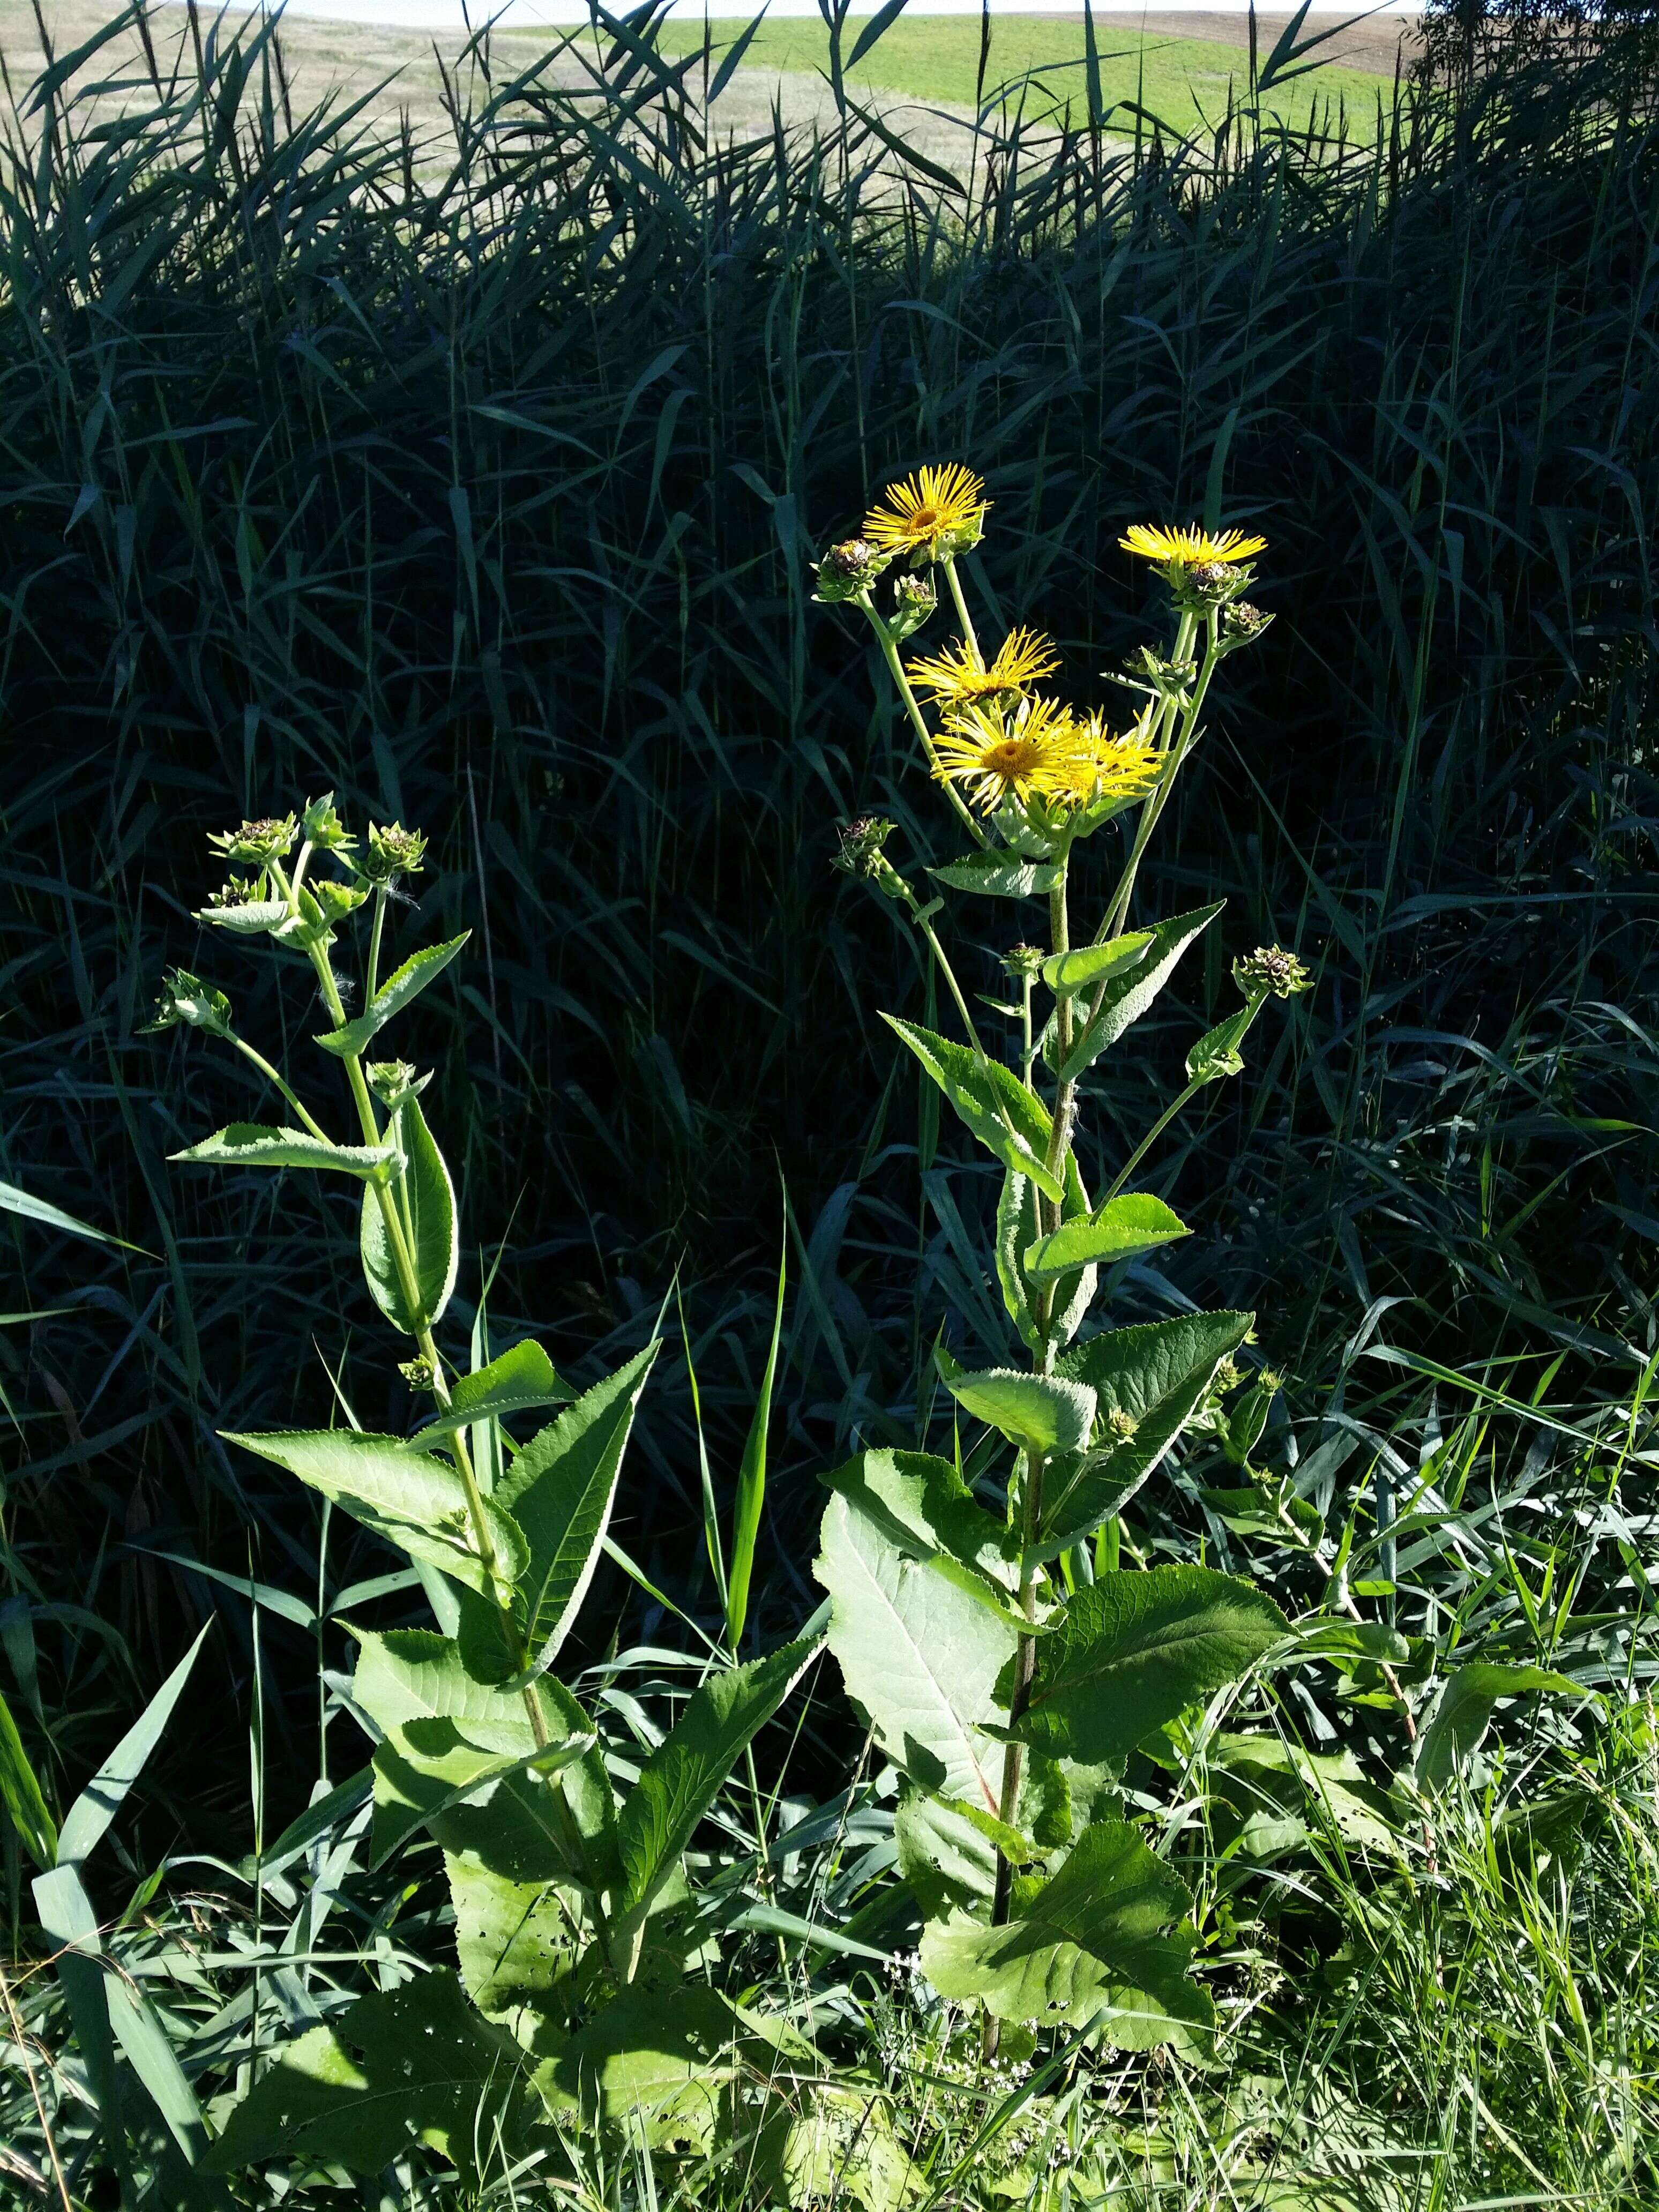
(1008, 1662)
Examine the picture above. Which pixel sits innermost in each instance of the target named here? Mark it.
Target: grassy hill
(1185, 82)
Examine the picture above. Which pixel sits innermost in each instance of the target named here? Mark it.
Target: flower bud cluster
(860, 854)
(257, 844)
(1271, 971)
(849, 570)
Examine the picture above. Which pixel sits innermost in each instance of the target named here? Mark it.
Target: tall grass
(491, 468)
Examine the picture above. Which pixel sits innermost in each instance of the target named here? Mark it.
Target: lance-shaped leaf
(1041, 1414)
(20, 1795)
(418, 2066)
(425, 1201)
(1009, 1120)
(414, 1502)
(1090, 964)
(559, 1490)
(426, 1768)
(919, 1653)
(687, 1771)
(1123, 1227)
(999, 875)
(393, 995)
(1132, 1650)
(1154, 1376)
(1095, 1938)
(1463, 1713)
(248, 1145)
(1216, 1055)
(519, 1380)
(257, 919)
(1130, 992)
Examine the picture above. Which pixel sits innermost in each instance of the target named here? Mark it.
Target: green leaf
(687, 1771)
(1130, 992)
(393, 995)
(1018, 1227)
(942, 1856)
(1009, 1120)
(918, 1653)
(520, 1379)
(1134, 1650)
(89, 1816)
(1041, 1414)
(999, 875)
(414, 1502)
(1463, 1712)
(425, 1769)
(13, 1200)
(21, 1793)
(827, 2143)
(425, 1198)
(923, 1504)
(559, 1490)
(246, 1144)
(1090, 1939)
(1154, 1374)
(257, 919)
(752, 1475)
(1216, 1055)
(1067, 972)
(516, 1941)
(1137, 1222)
(664, 2059)
(418, 2066)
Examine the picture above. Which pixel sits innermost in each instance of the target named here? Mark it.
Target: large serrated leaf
(418, 2066)
(1090, 1941)
(1129, 993)
(924, 1504)
(687, 1771)
(1132, 1650)
(1124, 1226)
(393, 995)
(999, 875)
(919, 1654)
(249, 1145)
(1008, 1120)
(416, 1502)
(425, 1199)
(1155, 1375)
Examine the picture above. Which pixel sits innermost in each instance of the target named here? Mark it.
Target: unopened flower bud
(1228, 1376)
(860, 854)
(393, 1080)
(241, 890)
(915, 599)
(1023, 962)
(847, 570)
(323, 827)
(185, 1001)
(1122, 1426)
(257, 844)
(418, 1373)
(393, 852)
(1270, 969)
(1242, 620)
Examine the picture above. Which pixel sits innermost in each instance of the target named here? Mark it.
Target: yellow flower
(1094, 765)
(1192, 548)
(933, 512)
(993, 758)
(957, 677)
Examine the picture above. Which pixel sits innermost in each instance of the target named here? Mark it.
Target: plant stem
(919, 720)
(963, 615)
(284, 1086)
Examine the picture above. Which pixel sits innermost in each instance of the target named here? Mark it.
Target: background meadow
(479, 483)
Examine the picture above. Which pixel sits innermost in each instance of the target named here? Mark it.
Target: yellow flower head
(1096, 766)
(1192, 548)
(937, 511)
(957, 677)
(993, 758)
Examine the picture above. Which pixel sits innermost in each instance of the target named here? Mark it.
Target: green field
(1185, 82)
